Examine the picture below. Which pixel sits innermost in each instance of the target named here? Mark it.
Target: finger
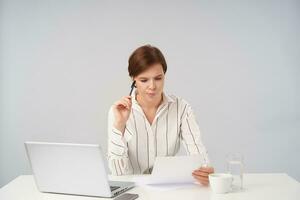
(200, 173)
(120, 105)
(203, 174)
(125, 103)
(207, 169)
(201, 177)
(202, 180)
(128, 101)
(127, 98)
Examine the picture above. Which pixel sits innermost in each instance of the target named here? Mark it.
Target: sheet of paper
(171, 170)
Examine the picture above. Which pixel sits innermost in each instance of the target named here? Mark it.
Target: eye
(158, 78)
(144, 80)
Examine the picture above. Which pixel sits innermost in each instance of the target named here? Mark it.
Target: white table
(257, 186)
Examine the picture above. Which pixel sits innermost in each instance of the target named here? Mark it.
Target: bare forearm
(120, 126)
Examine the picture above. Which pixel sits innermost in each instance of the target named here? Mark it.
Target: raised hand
(121, 110)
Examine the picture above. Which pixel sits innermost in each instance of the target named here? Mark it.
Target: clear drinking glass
(235, 166)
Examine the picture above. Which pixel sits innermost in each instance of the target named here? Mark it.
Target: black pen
(132, 86)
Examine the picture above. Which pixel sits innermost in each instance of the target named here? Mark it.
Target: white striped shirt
(135, 152)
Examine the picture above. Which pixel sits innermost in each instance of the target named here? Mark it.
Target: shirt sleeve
(118, 160)
(190, 134)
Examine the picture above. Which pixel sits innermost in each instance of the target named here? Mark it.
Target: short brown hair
(143, 57)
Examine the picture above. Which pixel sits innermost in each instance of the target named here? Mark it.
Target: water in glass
(235, 167)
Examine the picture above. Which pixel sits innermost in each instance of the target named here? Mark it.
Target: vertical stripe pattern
(134, 151)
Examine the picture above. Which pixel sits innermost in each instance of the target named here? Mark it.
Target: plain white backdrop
(64, 62)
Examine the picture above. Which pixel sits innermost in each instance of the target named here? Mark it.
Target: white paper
(171, 170)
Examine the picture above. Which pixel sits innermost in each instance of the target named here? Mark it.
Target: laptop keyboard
(112, 188)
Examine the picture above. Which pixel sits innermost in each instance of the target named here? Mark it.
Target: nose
(152, 85)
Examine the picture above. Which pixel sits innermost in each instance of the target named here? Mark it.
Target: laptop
(76, 169)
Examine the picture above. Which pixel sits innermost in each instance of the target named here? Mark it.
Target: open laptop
(76, 169)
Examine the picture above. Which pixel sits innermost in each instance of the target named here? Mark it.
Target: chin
(151, 97)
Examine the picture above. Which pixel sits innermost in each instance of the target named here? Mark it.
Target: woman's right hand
(121, 110)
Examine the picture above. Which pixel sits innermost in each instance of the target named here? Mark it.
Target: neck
(149, 104)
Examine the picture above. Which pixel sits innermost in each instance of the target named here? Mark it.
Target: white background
(64, 62)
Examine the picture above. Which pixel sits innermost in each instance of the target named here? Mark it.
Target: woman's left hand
(202, 173)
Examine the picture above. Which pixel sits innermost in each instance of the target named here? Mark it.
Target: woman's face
(150, 83)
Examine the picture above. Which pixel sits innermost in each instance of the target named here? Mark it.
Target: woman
(150, 123)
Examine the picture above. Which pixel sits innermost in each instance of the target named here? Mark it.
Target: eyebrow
(147, 77)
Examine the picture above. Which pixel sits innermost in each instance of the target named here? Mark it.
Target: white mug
(220, 183)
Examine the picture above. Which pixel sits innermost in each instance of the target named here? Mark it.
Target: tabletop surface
(257, 186)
